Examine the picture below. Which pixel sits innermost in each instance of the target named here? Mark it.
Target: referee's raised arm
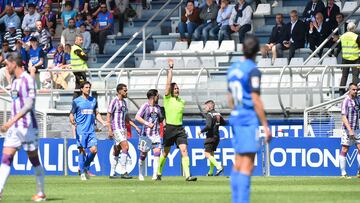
(169, 77)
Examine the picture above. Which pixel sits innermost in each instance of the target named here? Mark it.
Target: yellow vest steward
(350, 48)
(76, 62)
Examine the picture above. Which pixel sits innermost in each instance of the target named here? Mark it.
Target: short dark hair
(71, 19)
(151, 93)
(341, 14)
(352, 84)
(210, 101)
(294, 12)
(82, 85)
(120, 87)
(251, 46)
(15, 57)
(68, 3)
(172, 86)
(280, 14)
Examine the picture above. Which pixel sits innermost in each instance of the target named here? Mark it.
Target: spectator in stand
(189, 21)
(30, 18)
(294, 36)
(318, 32)
(21, 51)
(104, 22)
(312, 8)
(240, 20)
(208, 15)
(4, 73)
(43, 36)
(67, 57)
(79, 20)
(41, 5)
(276, 37)
(68, 35)
(60, 78)
(87, 38)
(48, 19)
(5, 51)
(37, 58)
(92, 7)
(18, 6)
(222, 30)
(118, 9)
(331, 11)
(12, 35)
(10, 16)
(68, 14)
(341, 31)
(27, 36)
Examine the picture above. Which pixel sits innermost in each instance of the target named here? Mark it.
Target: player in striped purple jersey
(150, 116)
(117, 117)
(22, 128)
(350, 118)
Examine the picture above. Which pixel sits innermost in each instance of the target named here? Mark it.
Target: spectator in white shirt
(30, 18)
(240, 20)
(222, 30)
(86, 36)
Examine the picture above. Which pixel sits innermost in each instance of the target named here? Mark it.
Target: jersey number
(236, 90)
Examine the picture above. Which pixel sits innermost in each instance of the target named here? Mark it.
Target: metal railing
(142, 31)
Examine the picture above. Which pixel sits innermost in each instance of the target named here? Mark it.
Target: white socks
(4, 174)
(343, 164)
(155, 166)
(141, 168)
(114, 163)
(39, 174)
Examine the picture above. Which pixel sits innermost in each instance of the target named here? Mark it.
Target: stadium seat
(329, 61)
(208, 62)
(161, 62)
(263, 9)
(264, 62)
(227, 46)
(313, 61)
(165, 46)
(192, 62)
(280, 62)
(236, 59)
(296, 61)
(146, 64)
(180, 46)
(349, 7)
(196, 46)
(210, 46)
(179, 62)
(239, 47)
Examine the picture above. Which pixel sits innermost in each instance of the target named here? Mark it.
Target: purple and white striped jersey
(118, 110)
(350, 108)
(23, 89)
(151, 114)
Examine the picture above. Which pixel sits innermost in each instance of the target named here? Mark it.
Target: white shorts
(119, 136)
(147, 143)
(27, 138)
(347, 141)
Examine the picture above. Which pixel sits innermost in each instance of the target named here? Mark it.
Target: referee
(174, 132)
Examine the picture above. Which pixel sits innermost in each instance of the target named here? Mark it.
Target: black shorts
(211, 143)
(174, 134)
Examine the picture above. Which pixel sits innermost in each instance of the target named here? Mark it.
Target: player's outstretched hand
(171, 63)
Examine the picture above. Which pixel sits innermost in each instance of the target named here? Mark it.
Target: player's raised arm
(169, 77)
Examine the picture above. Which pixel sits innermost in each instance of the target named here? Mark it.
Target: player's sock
(342, 158)
(123, 157)
(358, 159)
(211, 169)
(39, 174)
(186, 166)
(81, 162)
(214, 162)
(113, 163)
(89, 158)
(162, 162)
(142, 163)
(240, 183)
(156, 163)
(5, 169)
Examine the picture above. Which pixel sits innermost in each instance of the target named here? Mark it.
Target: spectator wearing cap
(68, 14)
(86, 36)
(104, 26)
(48, 19)
(18, 6)
(36, 56)
(30, 18)
(26, 36)
(10, 16)
(43, 36)
(68, 35)
(12, 35)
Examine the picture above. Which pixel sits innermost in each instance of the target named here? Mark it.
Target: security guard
(78, 60)
(350, 44)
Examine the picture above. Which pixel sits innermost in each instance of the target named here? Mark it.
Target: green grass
(175, 189)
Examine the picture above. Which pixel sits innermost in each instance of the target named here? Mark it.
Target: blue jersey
(243, 79)
(84, 111)
(35, 55)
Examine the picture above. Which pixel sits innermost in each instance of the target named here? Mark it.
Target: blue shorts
(86, 140)
(245, 139)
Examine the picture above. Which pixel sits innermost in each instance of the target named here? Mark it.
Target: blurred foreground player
(213, 121)
(22, 128)
(244, 99)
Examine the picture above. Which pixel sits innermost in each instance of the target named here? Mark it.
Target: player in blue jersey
(82, 116)
(244, 99)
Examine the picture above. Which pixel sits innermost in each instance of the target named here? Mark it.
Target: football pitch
(175, 189)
